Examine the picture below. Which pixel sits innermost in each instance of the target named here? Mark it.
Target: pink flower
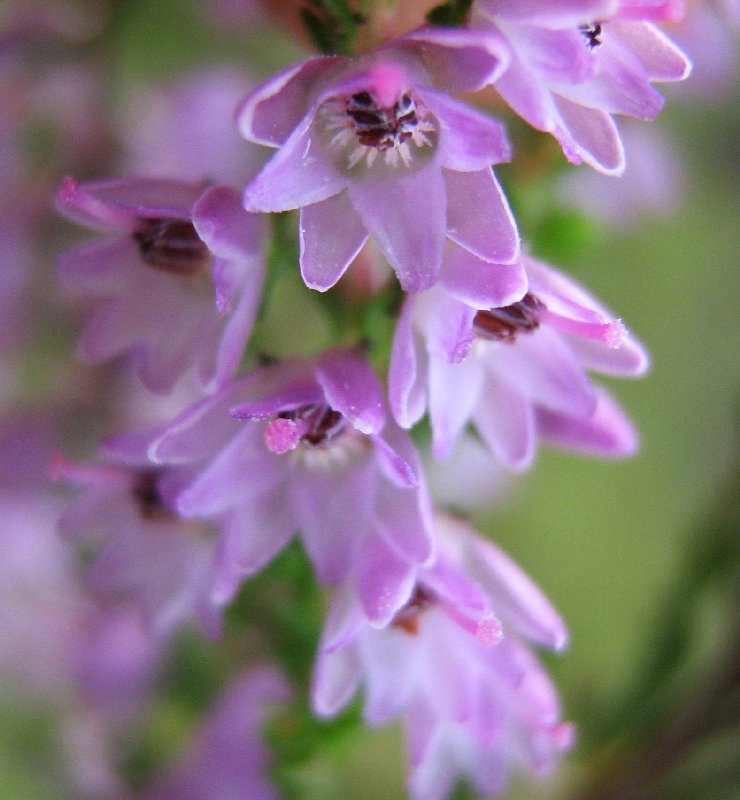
(517, 372)
(575, 63)
(143, 554)
(375, 146)
(473, 698)
(304, 446)
(176, 282)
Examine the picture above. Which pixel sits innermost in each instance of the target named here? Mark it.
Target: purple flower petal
(658, 55)
(514, 597)
(407, 373)
(333, 506)
(607, 433)
(505, 421)
(352, 388)
(469, 141)
(228, 230)
(458, 59)
(412, 241)
(336, 678)
(479, 218)
(300, 173)
(590, 135)
(331, 235)
(564, 14)
(275, 108)
(481, 284)
(384, 580)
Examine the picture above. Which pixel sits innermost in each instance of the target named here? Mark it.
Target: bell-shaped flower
(142, 553)
(575, 63)
(176, 281)
(474, 700)
(518, 372)
(304, 447)
(376, 146)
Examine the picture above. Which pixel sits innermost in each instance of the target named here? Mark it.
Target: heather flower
(177, 279)
(574, 64)
(473, 698)
(227, 759)
(142, 553)
(304, 446)
(517, 372)
(200, 107)
(375, 146)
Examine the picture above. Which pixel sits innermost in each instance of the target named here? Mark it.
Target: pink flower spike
(611, 333)
(282, 435)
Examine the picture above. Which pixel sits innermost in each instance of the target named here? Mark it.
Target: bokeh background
(640, 556)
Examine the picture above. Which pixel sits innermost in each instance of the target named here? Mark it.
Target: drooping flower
(473, 698)
(304, 446)
(227, 759)
(143, 554)
(573, 64)
(375, 146)
(517, 372)
(177, 279)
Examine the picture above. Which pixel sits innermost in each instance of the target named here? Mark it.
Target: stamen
(612, 333)
(148, 497)
(408, 617)
(592, 32)
(72, 194)
(171, 245)
(506, 323)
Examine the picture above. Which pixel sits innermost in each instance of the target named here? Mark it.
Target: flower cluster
(247, 451)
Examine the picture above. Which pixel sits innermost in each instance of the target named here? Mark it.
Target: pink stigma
(282, 434)
(489, 631)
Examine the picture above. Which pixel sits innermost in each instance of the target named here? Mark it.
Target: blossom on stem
(304, 446)
(177, 279)
(375, 146)
(473, 698)
(143, 553)
(573, 64)
(517, 372)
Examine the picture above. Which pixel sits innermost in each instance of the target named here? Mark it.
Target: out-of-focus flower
(573, 64)
(517, 372)
(200, 107)
(143, 554)
(177, 279)
(473, 698)
(651, 186)
(227, 759)
(309, 451)
(375, 146)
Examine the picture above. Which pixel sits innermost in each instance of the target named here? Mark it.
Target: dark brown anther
(505, 324)
(382, 128)
(592, 33)
(325, 424)
(409, 616)
(171, 245)
(148, 498)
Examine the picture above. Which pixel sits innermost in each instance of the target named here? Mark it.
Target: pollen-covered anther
(171, 245)
(506, 323)
(592, 33)
(376, 128)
